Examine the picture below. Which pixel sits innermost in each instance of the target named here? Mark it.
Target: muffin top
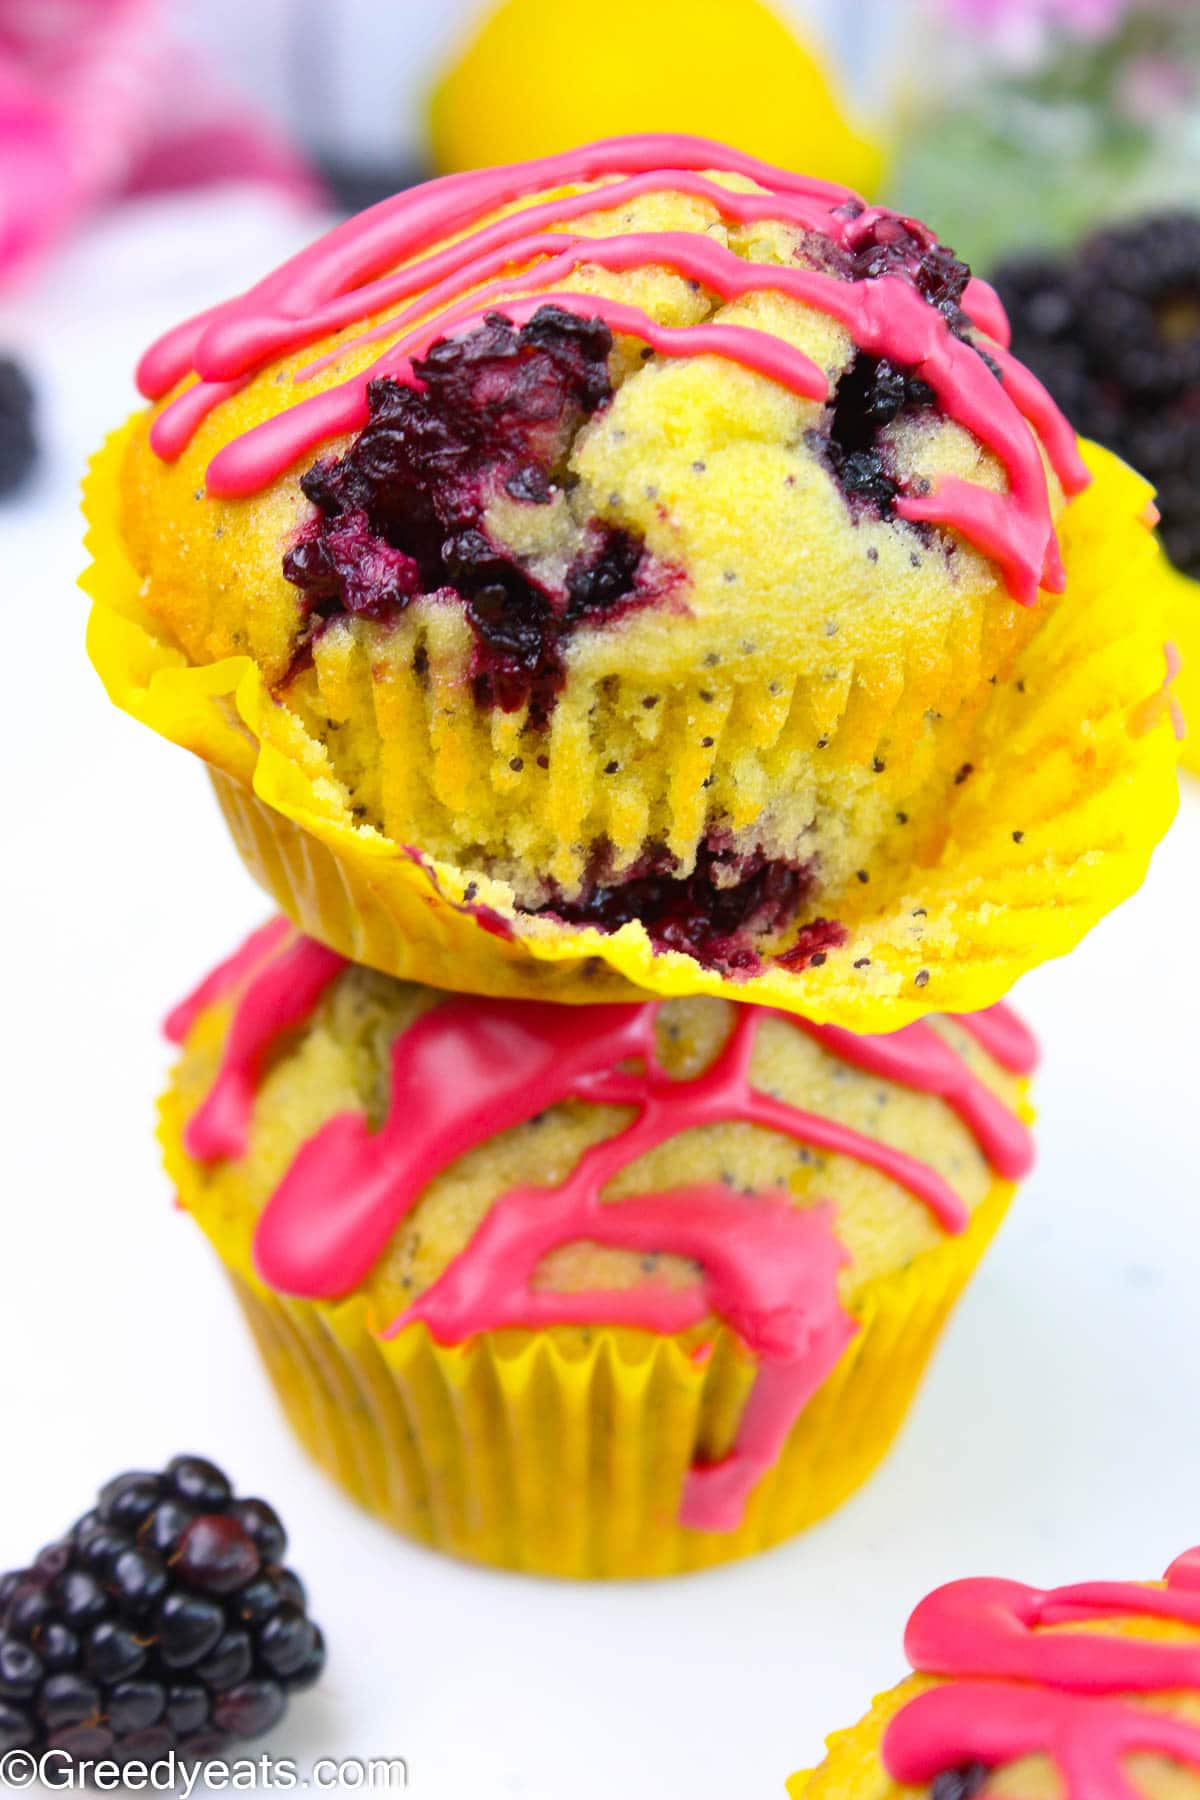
(602, 402)
(1088, 1692)
(482, 1165)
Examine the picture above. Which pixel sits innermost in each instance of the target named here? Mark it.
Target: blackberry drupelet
(18, 446)
(163, 1620)
(1114, 333)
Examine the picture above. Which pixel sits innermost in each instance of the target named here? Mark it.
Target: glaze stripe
(348, 276)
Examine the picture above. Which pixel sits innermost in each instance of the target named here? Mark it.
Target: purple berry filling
(873, 392)
(403, 511)
(813, 943)
(879, 244)
(870, 396)
(714, 924)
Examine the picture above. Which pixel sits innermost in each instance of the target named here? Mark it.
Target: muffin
(1089, 1692)
(643, 566)
(1113, 330)
(596, 1291)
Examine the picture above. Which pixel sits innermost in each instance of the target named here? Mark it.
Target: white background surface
(1056, 1437)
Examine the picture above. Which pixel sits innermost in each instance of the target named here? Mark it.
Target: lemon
(542, 75)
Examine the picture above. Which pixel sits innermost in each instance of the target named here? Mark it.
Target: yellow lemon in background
(543, 75)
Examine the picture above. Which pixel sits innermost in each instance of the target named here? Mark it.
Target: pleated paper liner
(648, 742)
(1073, 783)
(1184, 628)
(520, 1450)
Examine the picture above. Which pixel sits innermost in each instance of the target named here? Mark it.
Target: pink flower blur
(1083, 18)
(96, 101)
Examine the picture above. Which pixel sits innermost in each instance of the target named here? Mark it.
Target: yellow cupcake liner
(853, 1762)
(1184, 628)
(564, 1452)
(1074, 784)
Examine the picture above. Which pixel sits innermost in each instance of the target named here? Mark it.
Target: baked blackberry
(402, 512)
(163, 1620)
(959, 1784)
(1114, 332)
(18, 446)
(711, 914)
(872, 395)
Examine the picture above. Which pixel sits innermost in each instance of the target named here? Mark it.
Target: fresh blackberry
(1114, 333)
(163, 1620)
(18, 446)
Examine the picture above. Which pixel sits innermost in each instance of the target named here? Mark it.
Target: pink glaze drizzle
(1004, 1036)
(917, 1056)
(470, 1068)
(1174, 670)
(279, 997)
(1147, 716)
(1014, 1690)
(351, 275)
(225, 978)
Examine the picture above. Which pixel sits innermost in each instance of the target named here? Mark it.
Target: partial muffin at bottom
(596, 1291)
(1087, 1692)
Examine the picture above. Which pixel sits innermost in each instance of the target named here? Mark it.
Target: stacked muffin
(674, 670)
